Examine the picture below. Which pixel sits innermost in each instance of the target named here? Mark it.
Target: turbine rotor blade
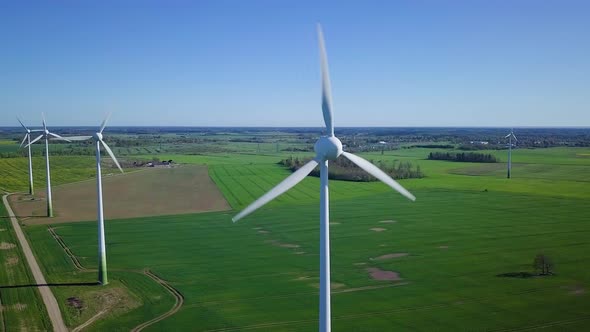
(104, 123)
(35, 140)
(326, 86)
(59, 137)
(278, 190)
(21, 123)
(24, 139)
(379, 174)
(507, 136)
(79, 138)
(110, 152)
(515, 137)
(44, 124)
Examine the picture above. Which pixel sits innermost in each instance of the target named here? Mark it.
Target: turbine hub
(328, 147)
(97, 136)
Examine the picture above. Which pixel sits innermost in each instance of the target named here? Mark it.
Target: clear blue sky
(255, 63)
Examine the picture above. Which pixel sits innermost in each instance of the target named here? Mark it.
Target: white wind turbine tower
(46, 134)
(27, 138)
(102, 252)
(327, 148)
(510, 136)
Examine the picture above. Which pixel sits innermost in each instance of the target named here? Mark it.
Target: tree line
(470, 157)
(344, 169)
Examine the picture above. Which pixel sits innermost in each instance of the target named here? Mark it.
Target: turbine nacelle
(328, 148)
(97, 136)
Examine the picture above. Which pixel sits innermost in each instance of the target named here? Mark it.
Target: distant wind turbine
(327, 148)
(102, 252)
(46, 134)
(27, 138)
(510, 136)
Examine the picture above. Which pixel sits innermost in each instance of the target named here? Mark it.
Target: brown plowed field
(149, 192)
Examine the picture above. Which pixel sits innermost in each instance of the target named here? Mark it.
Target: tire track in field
(90, 321)
(177, 305)
(67, 250)
(545, 325)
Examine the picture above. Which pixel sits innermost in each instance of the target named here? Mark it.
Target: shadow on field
(53, 285)
(522, 275)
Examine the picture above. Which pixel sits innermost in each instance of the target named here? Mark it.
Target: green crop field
(21, 307)
(468, 227)
(14, 172)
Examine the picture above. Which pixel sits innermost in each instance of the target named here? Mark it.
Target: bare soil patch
(378, 274)
(299, 252)
(443, 247)
(283, 245)
(75, 303)
(151, 192)
(377, 229)
(334, 223)
(6, 245)
(263, 232)
(2, 229)
(387, 221)
(360, 264)
(10, 261)
(333, 285)
(18, 306)
(390, 256)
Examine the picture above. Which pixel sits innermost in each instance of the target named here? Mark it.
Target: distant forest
(344, 169)
(470, 157)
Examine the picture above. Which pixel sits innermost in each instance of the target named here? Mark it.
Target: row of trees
(471, 157)
(344, 169)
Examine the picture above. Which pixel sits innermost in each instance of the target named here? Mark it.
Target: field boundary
(177, 295)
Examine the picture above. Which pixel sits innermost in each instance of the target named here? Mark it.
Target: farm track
(90, 321)
(177, 305)
(48, 298)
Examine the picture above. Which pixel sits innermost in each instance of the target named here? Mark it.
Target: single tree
(543, 264)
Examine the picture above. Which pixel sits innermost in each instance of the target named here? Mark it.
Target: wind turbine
(102, 252)
(46, 134)
(327, 148)
(27, 138)
(510, 136)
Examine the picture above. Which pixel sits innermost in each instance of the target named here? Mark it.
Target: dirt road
(46, 294)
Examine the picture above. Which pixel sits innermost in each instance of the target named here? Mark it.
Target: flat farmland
(149, 192)
(440, 263)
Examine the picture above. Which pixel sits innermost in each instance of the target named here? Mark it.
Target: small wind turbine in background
(327, 148)
(510, 137)
(46, 134)
(102, 252)
(27, 138)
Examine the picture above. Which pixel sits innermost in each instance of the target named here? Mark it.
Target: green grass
(22, 306)
(459, 237)
(232, 277)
